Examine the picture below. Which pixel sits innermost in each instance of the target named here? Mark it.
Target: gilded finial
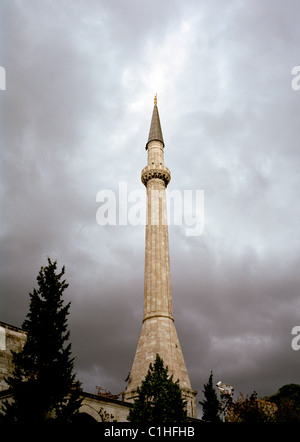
(155, 99)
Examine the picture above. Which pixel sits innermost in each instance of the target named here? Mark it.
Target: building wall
(95, 405)
(11, 338)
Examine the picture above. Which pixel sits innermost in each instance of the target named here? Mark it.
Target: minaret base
(159, 336)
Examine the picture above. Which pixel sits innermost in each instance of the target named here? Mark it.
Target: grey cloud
(75, 121)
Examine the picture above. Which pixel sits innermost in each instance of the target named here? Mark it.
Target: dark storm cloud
(75, 118)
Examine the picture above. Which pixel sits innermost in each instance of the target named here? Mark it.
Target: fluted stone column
(158, 334)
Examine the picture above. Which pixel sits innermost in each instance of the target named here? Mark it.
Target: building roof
(12, 327)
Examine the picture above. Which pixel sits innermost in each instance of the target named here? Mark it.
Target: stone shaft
(158, 334)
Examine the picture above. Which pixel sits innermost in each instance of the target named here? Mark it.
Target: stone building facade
(11, 338)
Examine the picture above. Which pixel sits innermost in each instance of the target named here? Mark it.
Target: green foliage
(105, 416)
(251, 410)
(287, 400)
(284, 406)
(211, 404)
(159, 397)
(43, 383)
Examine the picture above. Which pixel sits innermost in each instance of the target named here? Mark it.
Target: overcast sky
(75, 118)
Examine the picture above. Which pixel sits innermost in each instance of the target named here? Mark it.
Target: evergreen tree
(43, 384)
(211, 404)
(287, 400)
(159, 397)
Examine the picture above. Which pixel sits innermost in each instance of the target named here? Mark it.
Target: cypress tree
(211, 404)
(43, 384)
(159, 397)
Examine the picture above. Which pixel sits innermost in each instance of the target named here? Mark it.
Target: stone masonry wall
(11, 338)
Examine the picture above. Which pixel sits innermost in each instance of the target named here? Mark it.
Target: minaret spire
(155, 132)
(158, 334)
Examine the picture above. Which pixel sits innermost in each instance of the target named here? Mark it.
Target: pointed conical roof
(155, 132)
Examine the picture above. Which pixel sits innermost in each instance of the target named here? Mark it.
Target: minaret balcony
(161, 172)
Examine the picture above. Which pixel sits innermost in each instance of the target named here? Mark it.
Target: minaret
(158, 335)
